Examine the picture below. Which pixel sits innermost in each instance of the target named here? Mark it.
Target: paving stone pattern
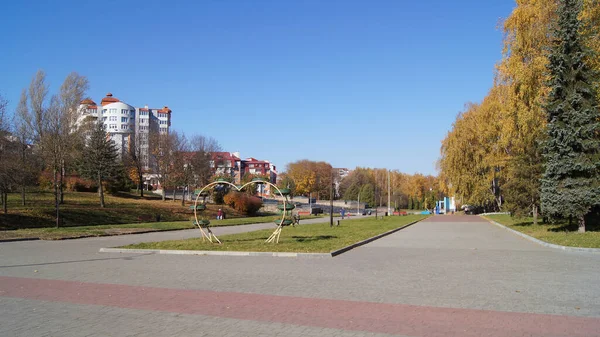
(447, 276)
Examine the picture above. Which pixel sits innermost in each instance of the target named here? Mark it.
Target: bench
(304, 213)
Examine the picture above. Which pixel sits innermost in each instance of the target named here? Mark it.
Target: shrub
(78, 184)
(242, 202)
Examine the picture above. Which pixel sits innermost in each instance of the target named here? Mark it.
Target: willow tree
(470, 154)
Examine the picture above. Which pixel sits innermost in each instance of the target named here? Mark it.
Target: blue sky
(353, 83)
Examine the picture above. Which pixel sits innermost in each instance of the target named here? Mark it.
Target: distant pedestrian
(343, 212)
(220, 214)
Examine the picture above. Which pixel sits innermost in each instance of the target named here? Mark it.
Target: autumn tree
(202, 148)
(310, 176)
(285, 181)
(571, 180)
(183, 174)
(6, 154)
(163, 146)
(26, 159)
(136, 159)
(53, 126)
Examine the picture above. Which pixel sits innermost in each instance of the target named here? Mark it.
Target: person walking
(220, 214)
(343, 212)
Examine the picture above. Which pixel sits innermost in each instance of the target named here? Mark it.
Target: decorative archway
(204, 224)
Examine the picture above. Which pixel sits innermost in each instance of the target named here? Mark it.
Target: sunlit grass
(559, 233)
(313, 238)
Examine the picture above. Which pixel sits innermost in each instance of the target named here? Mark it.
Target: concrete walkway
(447, 276)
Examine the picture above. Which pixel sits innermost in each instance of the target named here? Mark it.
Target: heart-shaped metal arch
(210, 236)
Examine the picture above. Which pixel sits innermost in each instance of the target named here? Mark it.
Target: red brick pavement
(337, 314)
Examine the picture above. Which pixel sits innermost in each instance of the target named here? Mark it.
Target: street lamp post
(331, 202)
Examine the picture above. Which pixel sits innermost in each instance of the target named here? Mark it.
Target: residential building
(230, 164)
(124, 123)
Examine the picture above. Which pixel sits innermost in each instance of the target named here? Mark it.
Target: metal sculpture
(203, 224)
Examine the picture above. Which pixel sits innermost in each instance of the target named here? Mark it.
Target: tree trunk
(62, 176)
(183, 196)
(100, 191)
(4, 198)
(164, 195)
(581, 222)
(23, 194)
(535, 215)
(56, 198)
(141, 185)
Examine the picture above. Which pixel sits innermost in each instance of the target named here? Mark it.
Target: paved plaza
(445, 276)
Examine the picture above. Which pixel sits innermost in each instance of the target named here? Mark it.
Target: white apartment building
(125, 123)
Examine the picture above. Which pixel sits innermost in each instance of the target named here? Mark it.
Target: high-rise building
(127, 124)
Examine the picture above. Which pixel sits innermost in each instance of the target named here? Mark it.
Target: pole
(389, 213)
(331, 201)
(358, 205)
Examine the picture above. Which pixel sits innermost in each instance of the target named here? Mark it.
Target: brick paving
(450, 276)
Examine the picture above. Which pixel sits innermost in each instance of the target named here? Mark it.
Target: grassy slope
(314, 238)
(82, 216)
(560, 233)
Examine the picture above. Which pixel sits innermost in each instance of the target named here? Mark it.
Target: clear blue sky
(354, 83)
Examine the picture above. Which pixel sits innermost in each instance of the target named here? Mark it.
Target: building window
(124, 111)
(104, 119)
(143, 113)
(112, 118)
(143, 120)
(132, 112)
(112, 126)
(113, 111)
(103, 111)
(124, 119)
(124, 127)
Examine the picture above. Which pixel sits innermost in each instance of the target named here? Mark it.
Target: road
(446, 276)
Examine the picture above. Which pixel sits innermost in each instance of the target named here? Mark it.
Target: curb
(364, 242)
(271, 254)
(544, 243)
(211, 252)
(91, 235)
(19, 239)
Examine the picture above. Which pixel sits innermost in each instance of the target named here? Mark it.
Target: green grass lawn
(560, 233)
(103, 230)
(312, 238)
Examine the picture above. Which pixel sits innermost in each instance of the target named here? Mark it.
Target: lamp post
(388, 203)
(331, 202)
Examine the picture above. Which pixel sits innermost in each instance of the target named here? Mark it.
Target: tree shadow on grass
(522, 223)
(313, 238)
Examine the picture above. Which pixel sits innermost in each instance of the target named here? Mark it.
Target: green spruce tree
(571, 180)
(100, 158)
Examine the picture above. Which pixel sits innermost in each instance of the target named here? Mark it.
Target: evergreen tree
(570, 183)
(522, 188)
(100, 158)
(367, 195)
